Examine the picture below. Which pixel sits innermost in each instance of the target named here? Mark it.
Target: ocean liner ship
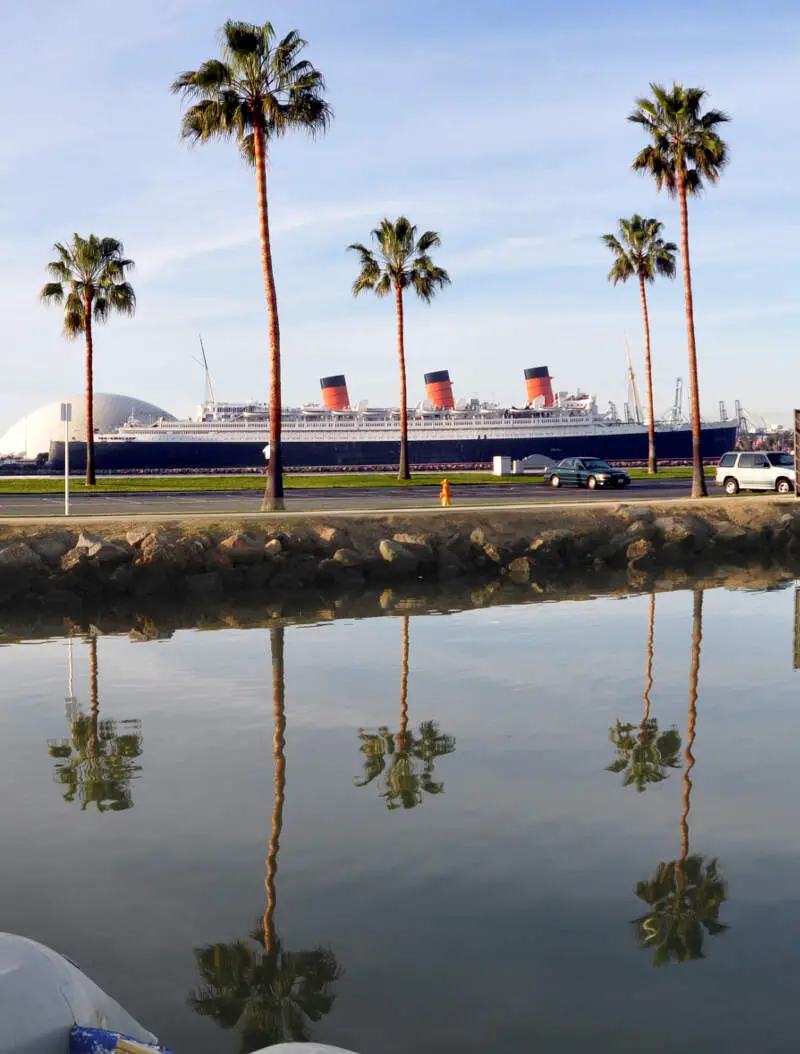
(442, 431)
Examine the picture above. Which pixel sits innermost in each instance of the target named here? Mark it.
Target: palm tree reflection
(644, 754)
(684, 896)
(411, 756)
(255, 986)
(97, 763)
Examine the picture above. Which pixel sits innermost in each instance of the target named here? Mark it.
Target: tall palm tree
(640, 251)
(400, 261)
(98, 763)
(685, 153)
(684, 896)
(257, 92)
(412, 756)
(256, 986)
(90, 280)
(645, 758)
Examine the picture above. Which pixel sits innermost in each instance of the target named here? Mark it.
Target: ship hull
(214, 454)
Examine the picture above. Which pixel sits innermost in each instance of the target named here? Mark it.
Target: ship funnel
(537, 381)
(334, 392)
(439, 389)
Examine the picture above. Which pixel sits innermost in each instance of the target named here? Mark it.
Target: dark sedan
(588, 472)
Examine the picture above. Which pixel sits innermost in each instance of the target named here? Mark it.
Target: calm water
(468, 879)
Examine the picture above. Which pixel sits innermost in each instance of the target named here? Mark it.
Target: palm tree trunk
(87, 319)
(652, 466)
(273, 495)
(402, 737)
(694, 676)
(649, 669)
(94, 697)
(278, 753)
(698, 475)
(403, 470)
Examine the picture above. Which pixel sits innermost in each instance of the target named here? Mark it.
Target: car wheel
(731, 486)
(784, 486)
(591, 483)
(555, 481)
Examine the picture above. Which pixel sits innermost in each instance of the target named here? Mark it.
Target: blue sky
(500, 125)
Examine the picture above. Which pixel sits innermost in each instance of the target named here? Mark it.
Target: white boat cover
(43, 995)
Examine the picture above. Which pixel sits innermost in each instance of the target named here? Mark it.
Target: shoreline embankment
(63, 564)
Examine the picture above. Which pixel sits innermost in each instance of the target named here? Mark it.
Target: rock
(629, 513)
(103, 552)
(273, 548)
(301, 567)
(75, 558)
(122, 576)
(136, 535)
(519, 570)
(60, 598)
(242, 548)
(639, 528)
(214, 560)
(493, 554)
(478, 537)
(398, 556)
(52, 547)
(332, 537)
(552, 547)
(348, 558)
(729, 536)
(449, 565)
(640, 552)
(19, 555)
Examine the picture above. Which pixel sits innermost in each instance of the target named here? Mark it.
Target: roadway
(179, 503)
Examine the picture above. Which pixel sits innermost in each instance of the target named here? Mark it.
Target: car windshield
(782, 460)
(593, 462)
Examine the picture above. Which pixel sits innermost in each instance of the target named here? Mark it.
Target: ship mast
(209, 384)
(637, 406)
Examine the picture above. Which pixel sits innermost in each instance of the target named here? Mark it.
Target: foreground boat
(441, 432)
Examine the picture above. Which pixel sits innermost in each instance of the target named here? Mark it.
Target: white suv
(754, 470)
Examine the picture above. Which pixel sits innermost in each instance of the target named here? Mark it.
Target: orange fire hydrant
(444, 493)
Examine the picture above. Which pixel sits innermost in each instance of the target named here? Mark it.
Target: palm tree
(90, 280)
(413, 757)
(98, 763)
(641, 251)
(645, 759)
(402, 262)
(255, 986)
(684, 896)
(686, 152)
(259, 90)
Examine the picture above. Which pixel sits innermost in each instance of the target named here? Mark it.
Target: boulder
(492, 553)
(332, 537)
(629, 513)
(74, 559)
(520, 569)
(273, 548)
(243, 548)
(103, 552)
(729, 536)
(449, 566)
(398, 556)
(136, 535)
(20, 556)
(348, 558)
(640, 553)
(478, 537)
(51, 547)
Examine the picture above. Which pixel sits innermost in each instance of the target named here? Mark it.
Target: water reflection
(684, 896)
(411, 756)
(644, 754)
(97, 763)
(268, 994)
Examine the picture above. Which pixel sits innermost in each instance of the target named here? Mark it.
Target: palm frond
(52, 293)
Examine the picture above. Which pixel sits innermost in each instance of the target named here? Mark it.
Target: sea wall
(270, 557)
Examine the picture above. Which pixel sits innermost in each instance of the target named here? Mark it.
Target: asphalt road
(177, 503)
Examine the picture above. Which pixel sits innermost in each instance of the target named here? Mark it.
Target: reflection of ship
(441, 431)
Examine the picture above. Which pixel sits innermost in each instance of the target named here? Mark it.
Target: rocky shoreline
(531, 550)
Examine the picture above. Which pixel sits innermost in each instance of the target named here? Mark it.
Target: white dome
(32, 434)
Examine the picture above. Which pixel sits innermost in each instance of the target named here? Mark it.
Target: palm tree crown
(403, 261)
(91, 273)
(686, 148)
(640, 251)
(259, 85)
